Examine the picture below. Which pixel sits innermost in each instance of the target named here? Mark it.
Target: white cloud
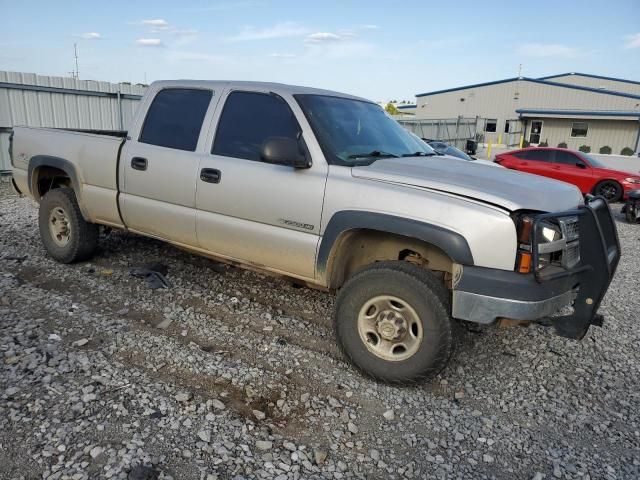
(632, 41)
(370, 27)
(156, 22)
(282, 55)
(546, 50)
(90, 36)
(149, 42)
(322, 37)
(280, 30)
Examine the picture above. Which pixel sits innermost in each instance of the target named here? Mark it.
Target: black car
(445, 149)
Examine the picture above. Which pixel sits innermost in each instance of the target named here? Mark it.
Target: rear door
(572, 169)
(538, 162)
(159, 166)
(258, 213)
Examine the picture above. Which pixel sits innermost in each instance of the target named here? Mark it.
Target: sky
(381, 50)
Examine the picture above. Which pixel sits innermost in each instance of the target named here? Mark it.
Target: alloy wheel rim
(390, 328)
(59, 226)
(608, 191)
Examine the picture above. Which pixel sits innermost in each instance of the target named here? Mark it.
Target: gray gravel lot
(230, 374)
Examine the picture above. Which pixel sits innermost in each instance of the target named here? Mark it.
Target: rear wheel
(609, 189)
(392, 322)
(66, 235)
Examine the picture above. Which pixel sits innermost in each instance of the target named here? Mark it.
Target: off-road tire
(83, 237)
(424, 292)
(609, 184)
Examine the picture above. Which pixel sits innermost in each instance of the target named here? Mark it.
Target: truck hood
(506, 188)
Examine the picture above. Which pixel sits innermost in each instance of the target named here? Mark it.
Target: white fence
(60, 102)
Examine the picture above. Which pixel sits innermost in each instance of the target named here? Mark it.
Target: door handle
(139, 163)
(210, 175)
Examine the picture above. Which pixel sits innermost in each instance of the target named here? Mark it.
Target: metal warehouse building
(575, 109)
(62, 102)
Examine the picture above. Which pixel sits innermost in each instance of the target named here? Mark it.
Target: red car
(581, 169)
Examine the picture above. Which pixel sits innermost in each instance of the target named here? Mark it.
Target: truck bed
(91, 155)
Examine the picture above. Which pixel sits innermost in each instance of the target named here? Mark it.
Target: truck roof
(279, 88)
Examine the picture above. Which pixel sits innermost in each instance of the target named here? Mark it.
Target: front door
(159, 166)
(572, 169)
(535, 132)
(255, 212)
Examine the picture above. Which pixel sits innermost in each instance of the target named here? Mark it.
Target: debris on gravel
(231, 374)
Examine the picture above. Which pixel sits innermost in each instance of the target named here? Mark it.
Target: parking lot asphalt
(230, 374)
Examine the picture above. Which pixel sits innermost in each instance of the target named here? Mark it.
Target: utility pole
(75, 54)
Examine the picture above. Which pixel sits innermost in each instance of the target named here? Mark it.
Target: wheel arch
(353, 239)
(47, 166)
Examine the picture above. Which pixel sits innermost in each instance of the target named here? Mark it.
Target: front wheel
(66, 235)
(610, 190)
(392, 322)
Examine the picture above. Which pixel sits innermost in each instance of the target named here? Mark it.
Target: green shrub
(627, 151)
(585, 148)
(525, 144)
(544, 144)
(562, 145)
(605, 150)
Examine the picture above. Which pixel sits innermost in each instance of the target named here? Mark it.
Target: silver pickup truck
(326, 189)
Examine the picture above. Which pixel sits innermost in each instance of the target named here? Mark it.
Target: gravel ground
(230, 374)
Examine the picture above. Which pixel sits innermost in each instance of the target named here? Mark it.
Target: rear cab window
(248, 120)
(175, 117)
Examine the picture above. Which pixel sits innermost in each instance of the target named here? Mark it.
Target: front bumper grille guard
(599, 254)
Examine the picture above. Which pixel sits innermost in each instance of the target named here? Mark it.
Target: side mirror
(581, 165)
(284, 151)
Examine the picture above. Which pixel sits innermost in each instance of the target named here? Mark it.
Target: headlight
(632, 180)
(548, 232)
(556, 242)
(548, 240)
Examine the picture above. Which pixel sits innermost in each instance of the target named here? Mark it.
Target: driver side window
(248, 120)
(566, 158)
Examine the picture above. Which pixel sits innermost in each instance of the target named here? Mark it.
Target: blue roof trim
(589, 75)
(586, 89)
(595, 113)
(400, 107)
(533, 80)
(486, 84)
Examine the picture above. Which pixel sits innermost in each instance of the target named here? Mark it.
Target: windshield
(355, 132)
(593, 161)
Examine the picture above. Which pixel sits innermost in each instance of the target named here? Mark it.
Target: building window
(490, 125)
(579, 129)
(506, 126)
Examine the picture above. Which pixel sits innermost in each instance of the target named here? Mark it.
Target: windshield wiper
(419, 154)
(375, 153)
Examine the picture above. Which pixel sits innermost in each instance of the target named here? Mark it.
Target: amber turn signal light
(524, 262)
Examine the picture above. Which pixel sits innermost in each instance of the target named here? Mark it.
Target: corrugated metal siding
(614, 85)
(5, 161)
(62, 110)
(616, 134)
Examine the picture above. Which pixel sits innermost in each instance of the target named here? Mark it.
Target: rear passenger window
(536, 155)
(248, 120)
(175, 118)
